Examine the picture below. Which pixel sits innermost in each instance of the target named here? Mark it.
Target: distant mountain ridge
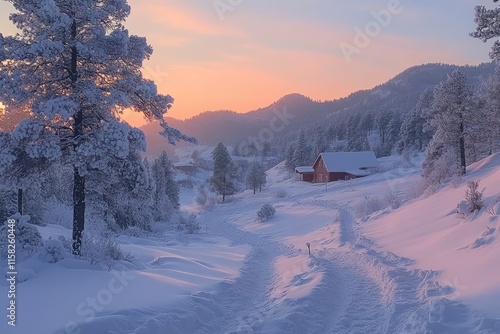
(399, 94)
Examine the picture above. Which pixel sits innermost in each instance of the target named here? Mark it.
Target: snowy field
(379, 263)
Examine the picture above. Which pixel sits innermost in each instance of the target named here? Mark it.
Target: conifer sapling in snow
(474, 196)
(256, 177)
(222, 179)
(166, 194)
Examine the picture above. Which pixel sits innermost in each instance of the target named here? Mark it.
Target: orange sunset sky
(244, 54)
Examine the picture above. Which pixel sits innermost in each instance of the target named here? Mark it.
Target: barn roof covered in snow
(304, 170)
(354, 163)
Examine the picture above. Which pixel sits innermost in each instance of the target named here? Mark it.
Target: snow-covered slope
(409, 267)
(464, 249)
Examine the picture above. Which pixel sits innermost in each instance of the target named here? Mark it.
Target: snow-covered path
(345, 287)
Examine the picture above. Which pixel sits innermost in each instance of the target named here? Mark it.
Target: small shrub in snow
(28, 239)
(189, 224)
(280, 193)
(266, 212)
(393, 200)
(369, 205)
(53, 251)
(102, 250)
(445, 167)
(474, 196)
(415, 190)
(67, 244)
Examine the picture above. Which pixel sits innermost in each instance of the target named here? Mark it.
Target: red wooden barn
(336, 166)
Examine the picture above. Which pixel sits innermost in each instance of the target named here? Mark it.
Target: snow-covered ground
(412, 267)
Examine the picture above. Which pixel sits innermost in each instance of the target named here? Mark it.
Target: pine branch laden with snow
(488, 28)
(76, 68)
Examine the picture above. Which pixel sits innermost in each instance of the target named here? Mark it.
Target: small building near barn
(337, 166)
(306, 173)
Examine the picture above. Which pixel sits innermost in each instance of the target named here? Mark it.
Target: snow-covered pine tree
(301, 155)
(289, 163)
(488, 28)
(389, 133)
(166, 186)
(366, 124)
(75, 68)
(412, 135)
(222, 179)
(353, 132)
(489, 119)
(449, 116)
(382, 119)
(256, 176)
(320, 142)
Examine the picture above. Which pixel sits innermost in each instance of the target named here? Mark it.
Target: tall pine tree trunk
(78, 179)
(78, 211)
(463, 163)
(20, 201)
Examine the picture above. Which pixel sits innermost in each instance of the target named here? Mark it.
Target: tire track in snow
(258, 311)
